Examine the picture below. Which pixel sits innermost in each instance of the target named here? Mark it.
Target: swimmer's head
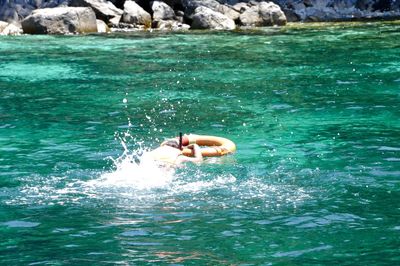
(174, 143)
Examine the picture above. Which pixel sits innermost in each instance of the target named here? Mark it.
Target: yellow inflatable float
(211, 146)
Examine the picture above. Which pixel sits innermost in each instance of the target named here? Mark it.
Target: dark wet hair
(172, 143)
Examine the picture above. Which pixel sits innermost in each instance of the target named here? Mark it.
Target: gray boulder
(162, 11)
(9, 29)
(241, 7)
(191, 5)
(329, 14)
(229, 12)
(251, 17)
(350, 13)
(170, 25)
(134, 14)
(317, 14)
(263, 14)
(12, 11)
(365, 5)
(16, 10)
(60, 20)
(205, 18)
(342, 4)
(272, 14)
(105, 10)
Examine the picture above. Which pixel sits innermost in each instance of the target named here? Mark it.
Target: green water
(314, 112)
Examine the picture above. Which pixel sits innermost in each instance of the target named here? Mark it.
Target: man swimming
(170, 153)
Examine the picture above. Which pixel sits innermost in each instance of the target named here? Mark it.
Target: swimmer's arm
(198, 157)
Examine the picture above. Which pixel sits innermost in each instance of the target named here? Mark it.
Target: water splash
(136, 170)
(135, 181)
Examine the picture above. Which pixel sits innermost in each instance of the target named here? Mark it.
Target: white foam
(136, 181)
(136, 171)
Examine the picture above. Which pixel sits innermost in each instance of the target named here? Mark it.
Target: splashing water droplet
(135, 170)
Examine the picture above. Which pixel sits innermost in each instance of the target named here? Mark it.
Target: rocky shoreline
(87, 16)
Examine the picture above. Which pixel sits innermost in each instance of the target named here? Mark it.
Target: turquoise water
(314, 112)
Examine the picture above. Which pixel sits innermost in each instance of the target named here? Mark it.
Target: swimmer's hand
(197, 156)
(196, 152)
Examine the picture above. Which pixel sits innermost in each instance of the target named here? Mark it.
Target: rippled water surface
(315, 113)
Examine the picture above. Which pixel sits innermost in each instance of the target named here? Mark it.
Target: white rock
(135, 14)
(9, 29)
(102, 26)
(205, 18)
(272, 14)
(60, 20)
(172, 25)
(263, 14)
(105, 10)
(162, 11)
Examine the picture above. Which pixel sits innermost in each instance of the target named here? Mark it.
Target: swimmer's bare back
(168, 155)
